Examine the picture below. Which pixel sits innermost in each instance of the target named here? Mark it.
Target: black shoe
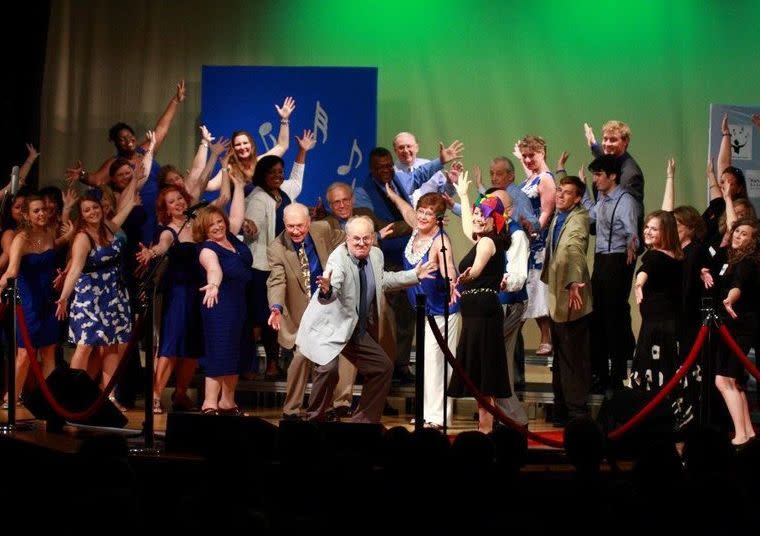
(291, 417)
(404, 375)
(390, 411)
(342, 411)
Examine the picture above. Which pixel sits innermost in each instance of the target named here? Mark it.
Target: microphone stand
(12, 299)
(147, 293)
(447, 287)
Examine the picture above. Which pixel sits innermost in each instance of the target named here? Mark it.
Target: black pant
(611, 334)
(571, 368)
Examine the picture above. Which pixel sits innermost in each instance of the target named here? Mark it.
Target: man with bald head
(296, 257)
(342, 319)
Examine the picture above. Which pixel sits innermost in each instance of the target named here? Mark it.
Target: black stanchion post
(709, 317)
(11, 298)
(419, 380)
(446, 312)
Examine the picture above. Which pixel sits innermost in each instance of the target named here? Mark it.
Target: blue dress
(35, 286)
(181, 332)
(224, 324)
(99, 313)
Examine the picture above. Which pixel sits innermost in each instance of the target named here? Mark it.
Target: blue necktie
(361, 325)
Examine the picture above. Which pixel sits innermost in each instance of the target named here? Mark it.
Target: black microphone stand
(147, 294)
(447, 287)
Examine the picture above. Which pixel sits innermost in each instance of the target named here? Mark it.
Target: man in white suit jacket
(330, 325)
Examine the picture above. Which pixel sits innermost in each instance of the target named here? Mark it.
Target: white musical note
(345, 169)
(265, 129)
(320, 122)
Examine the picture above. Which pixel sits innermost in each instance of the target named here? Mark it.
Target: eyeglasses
(425, 213)
(361, 239)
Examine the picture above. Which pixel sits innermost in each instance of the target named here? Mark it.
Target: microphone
(14, 180)
(190, 212)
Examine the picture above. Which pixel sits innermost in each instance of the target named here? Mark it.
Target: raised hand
(319, 211)
(589, 132)
(562, 160)
(724, 125)
(32, 152)
(287, 107)
(218, 147)
(180, 96)
(463, 185)
(151, 137)
(308, 141)
(206, 135)
(386, 231)
(671, 168)
(516, 152)
(70, 197)
(324, 282)
(582, 173)
(756, 120)
(478, 177)
(452, 152)
(73, 173)
(449, 200)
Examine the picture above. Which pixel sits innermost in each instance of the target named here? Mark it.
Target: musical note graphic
(345, 169)
(320, 122)
(265, 129)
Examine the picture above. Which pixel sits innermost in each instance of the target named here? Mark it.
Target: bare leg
(485, 419)
(750, 430)
(185, 370)
(213, 388)
(227, 400)
(47, 354)
(111, 357)
(164, 367)
(544, 325)
(80, 358)
(736, 407)
(22, 369)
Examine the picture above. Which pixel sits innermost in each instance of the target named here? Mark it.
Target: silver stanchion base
(144, 451)
(7, 428)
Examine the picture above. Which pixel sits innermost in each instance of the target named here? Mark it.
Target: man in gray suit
(340, 319)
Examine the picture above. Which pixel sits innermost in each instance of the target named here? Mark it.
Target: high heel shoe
(115, 402)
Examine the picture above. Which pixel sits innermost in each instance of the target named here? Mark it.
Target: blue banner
(339, 104)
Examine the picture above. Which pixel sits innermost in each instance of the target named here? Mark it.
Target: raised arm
(669, 196)
(128, 199)
(724, 154)
(199, 163)
(407, 212)
(730, 211)
(283, 137)
(712, 181)
(26, 167)
(293, 185)
(463, 190)
(143, 172)
(165, 121)
(237, 207)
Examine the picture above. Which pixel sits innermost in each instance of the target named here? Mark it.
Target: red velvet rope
(496, 411)
(731, 343)
(665, 391)
(48, 394)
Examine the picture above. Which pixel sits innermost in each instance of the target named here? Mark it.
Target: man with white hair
(341, 319)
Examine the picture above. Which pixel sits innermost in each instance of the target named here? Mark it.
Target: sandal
(235, 411)
(209, 411)
(157, 407)
(545, 348)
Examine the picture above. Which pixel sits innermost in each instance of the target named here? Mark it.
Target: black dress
(481, 348)
(744, 275)
(657, 356)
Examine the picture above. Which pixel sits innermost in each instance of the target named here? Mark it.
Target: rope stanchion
(731, 343)
(665, 391)
(496, 411)
(47, 393)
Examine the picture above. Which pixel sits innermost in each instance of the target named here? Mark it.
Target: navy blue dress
(35, 287)
(181, 331)
(224, 324)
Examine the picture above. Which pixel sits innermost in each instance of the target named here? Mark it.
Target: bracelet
(212, 285)
(284, 121)
(204, 143)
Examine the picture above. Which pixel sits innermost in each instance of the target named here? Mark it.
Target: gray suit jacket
(285, 284)
(327, 325)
